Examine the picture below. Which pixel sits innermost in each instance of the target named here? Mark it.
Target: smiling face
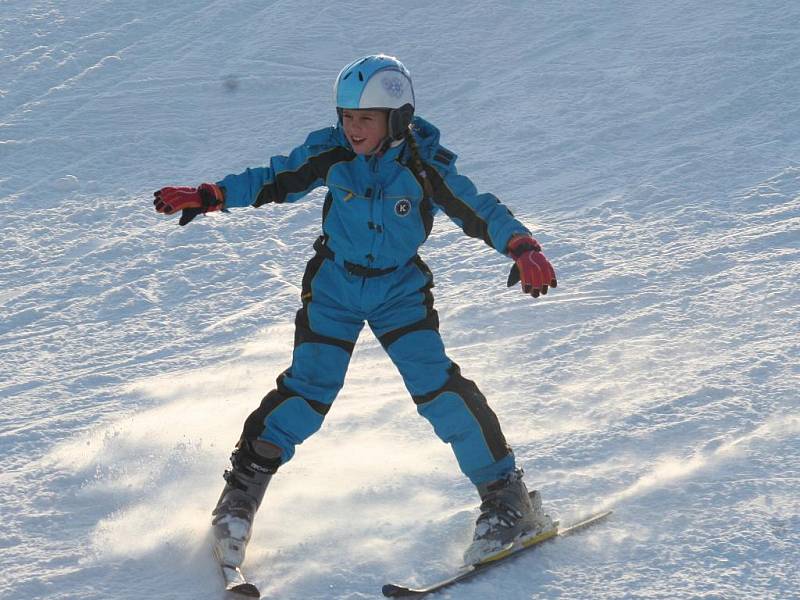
(365, 129)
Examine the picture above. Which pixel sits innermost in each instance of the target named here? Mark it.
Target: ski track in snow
(652, 148)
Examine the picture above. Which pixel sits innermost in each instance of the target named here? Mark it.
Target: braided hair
(416, 162)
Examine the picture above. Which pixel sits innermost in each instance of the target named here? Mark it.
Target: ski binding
(391, 590)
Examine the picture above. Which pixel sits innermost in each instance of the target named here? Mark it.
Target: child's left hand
(530, 266)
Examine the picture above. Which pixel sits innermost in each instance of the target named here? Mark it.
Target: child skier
(387, 175)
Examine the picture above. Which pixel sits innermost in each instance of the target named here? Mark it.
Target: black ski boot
(507, 513)
(253, 464)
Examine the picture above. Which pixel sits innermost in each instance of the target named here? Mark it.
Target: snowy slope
(654, 149)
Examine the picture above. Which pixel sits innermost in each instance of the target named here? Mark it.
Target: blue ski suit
(366, 269)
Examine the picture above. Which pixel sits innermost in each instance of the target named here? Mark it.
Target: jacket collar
(426, 133)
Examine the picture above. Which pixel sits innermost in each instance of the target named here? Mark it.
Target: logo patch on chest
(403, 207)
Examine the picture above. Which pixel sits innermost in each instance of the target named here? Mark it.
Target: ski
(391, 590)
(235, 581)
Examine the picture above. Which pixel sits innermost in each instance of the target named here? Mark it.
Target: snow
(653, 148)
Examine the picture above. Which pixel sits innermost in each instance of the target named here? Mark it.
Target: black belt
(352, 268)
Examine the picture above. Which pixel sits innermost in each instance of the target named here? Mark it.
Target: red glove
(530, 266)
(192, 202)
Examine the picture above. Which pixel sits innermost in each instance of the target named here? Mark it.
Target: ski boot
(253, 464)
(508, 512)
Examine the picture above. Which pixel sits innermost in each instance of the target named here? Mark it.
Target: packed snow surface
(653, 148)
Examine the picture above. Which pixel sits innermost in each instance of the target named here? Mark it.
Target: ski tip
(391, 590)
(245, 589)
(586, 521)
(599, 515)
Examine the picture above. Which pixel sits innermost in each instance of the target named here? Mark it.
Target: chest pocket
(414, 206)
(408, 211)
(349, 194)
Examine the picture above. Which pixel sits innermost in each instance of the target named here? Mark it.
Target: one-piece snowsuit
(366, 269)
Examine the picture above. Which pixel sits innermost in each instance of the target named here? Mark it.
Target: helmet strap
(399, 120)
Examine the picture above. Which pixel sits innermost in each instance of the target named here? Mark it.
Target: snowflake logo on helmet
(393, 86)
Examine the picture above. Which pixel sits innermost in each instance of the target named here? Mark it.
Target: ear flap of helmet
(399, 120)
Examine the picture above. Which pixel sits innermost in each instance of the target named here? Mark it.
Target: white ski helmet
(381, 82)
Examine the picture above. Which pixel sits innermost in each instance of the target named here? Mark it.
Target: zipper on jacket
(375, 205)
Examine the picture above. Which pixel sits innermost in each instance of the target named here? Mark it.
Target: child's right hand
(191, 201)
